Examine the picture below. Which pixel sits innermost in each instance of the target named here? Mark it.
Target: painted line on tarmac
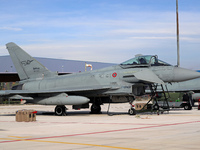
(22, 137)
(82, 144)
(109, 131)
(118, 130)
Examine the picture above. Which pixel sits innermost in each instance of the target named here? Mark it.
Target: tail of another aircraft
(26, 66)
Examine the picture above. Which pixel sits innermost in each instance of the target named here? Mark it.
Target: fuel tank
(61, 99)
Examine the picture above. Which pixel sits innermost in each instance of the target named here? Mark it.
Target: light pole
(177, 32)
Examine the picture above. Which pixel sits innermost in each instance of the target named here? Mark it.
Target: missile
(62, 99)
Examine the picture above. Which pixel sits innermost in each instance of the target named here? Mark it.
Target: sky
(111, 31)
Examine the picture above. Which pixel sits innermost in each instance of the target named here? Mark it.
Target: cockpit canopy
(144, 60)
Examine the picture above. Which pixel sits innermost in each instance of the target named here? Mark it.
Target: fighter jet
(115, 84)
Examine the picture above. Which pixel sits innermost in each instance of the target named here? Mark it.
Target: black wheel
(132, 111)
(95, 109)
(187, 107)
(60, 110)
(156, 107)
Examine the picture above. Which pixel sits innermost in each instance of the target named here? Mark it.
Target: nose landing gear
(132, 110)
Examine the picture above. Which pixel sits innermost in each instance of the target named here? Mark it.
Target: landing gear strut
(60, 110)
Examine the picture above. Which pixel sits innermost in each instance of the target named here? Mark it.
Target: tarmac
(177, 129)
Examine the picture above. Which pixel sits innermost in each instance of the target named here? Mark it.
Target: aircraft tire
(60, 110)
(95, 109)
(156, 107)
(132, 111)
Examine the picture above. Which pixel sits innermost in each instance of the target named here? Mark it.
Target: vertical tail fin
(26, 66)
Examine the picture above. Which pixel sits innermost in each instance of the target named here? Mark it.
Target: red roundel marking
(114, 74)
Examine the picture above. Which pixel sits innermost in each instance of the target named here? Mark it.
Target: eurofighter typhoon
(115, 84)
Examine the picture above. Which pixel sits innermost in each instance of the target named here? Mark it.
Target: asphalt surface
(174, 130)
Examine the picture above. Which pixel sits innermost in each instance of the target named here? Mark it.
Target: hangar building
(62, 66)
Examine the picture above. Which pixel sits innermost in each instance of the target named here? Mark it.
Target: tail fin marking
(26, 66)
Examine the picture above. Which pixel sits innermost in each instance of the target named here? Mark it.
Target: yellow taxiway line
(84, 144)
(21, 137)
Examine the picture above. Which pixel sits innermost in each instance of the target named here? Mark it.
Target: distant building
(59, 65)
(8, 74)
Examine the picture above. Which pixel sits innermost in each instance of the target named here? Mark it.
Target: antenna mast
(177, 31)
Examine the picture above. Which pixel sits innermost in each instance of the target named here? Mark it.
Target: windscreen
(145, 60)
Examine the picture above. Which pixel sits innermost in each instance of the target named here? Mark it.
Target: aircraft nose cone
(181, 74)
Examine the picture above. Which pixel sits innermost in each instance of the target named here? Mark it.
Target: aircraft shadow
(81, 113)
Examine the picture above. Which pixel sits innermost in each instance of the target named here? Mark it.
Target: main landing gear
(60, 110)
(96, 106)
(95, 109)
